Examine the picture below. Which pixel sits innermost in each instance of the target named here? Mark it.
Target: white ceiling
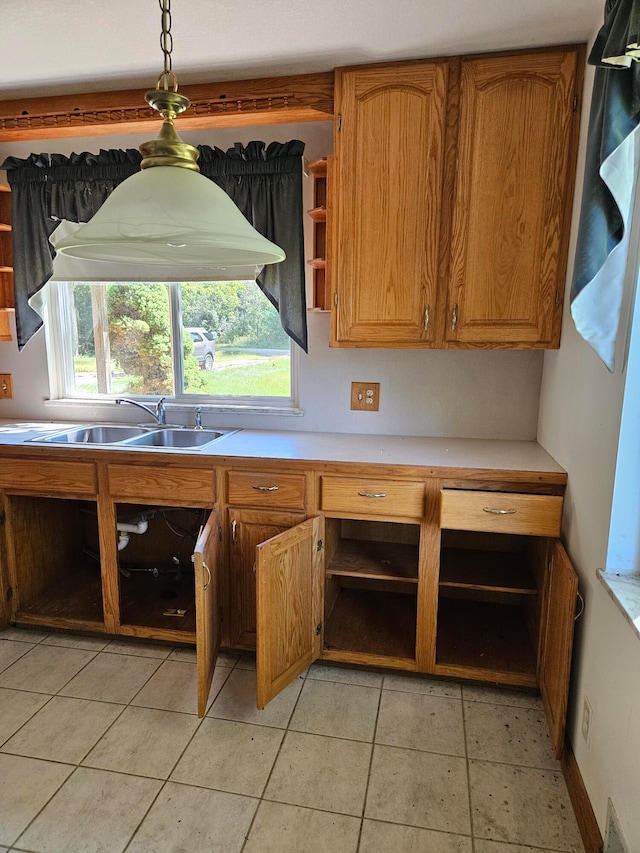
(66, 46)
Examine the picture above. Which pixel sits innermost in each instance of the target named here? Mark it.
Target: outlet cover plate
(365, 396)
(6, 386)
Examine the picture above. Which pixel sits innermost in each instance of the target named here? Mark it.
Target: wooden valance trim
(239, 103)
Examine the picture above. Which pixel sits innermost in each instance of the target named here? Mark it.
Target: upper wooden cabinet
(388, 171)
(513, 190)
(452, 194)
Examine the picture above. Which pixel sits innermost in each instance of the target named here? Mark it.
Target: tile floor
(102, 752)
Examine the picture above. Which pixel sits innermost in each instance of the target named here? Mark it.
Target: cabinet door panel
(561, 587)
(388, 175)
(249, 527)
(513, 187)
(290, 582)
(207, 581)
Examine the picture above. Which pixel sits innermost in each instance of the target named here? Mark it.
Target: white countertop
(334, 447)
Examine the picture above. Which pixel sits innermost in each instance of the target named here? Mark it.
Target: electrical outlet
(365, 396)
(587, 717)
(6, 386)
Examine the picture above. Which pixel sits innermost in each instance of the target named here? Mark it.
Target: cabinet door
(207, 581)
(388, 172)
(290, 583)
(558, 613)
(514, 182)
(249, 527)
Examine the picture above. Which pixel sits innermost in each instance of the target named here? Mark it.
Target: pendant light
(168, 214)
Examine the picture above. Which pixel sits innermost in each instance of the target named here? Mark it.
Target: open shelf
(373, 622)
(317, 214)
(377, 560)
(75, 598)
(491, 571)
(485, 636)
(149, 601)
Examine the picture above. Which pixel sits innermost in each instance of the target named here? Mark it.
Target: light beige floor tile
(143, 741)
(522, 805)
(23, 635)
(501, 696)
(16, 707)
(174, 687)
(93, 812)
(111, 678)
(280, 828)
(498, 847)
(237, 701)
(345, 675)
(45, 669)
(320, 772)
(337, 710)
(419, 789)
(140, 650)
(71, 641)
(421, 721)
(64, 730)
(184, 653)
(510, 735)
(25, 786)
(11, 651)
(194, 820)
(380, 837)
(230, 756)
(419, 684)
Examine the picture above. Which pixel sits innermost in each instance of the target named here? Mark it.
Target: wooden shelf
(318, 263)
(372, 622)
(491, 571)
(318, 214)
(377, 560)
(5, 227)
(484, 636)
(71, 600)
(144, 600)
(318, 168)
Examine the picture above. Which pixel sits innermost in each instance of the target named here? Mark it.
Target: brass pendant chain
(167, 79)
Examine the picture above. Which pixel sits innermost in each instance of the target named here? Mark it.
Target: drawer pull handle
(499, 511)
(372, 494)
(208, 571)
(265, 488)
(234, 525)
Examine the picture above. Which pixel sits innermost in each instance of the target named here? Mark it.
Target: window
(221, 342)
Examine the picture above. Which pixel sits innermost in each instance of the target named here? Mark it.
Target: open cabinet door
(207, 581)
(559, 604)
(289, 586)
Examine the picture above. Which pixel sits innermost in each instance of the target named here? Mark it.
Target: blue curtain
(609, 182)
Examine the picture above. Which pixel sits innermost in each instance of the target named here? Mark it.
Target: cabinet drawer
(250, 488)
(171, 486)
(372, 497)
(46, 477)
(501, 512)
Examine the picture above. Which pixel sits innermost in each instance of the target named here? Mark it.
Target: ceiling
(52, 47)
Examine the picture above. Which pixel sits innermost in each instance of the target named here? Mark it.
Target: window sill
(624, 589)
(212, 408)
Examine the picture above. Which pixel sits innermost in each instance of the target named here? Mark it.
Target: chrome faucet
(198, 418)
(160, 414)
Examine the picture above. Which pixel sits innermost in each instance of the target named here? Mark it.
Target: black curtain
(598, 276)
(265, 182)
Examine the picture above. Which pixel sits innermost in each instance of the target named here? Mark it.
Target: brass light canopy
(168, 214)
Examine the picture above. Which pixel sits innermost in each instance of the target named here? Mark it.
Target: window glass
(214, 340)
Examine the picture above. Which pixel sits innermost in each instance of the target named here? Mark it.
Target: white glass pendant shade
(168, 215)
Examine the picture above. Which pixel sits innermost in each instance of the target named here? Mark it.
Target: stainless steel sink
(178, 438)
(185, 439)
(101, 434)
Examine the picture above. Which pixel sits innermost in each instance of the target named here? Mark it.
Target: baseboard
(587, 823)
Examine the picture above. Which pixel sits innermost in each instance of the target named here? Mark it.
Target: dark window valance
(264, 181)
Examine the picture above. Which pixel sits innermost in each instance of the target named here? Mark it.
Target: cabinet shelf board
(379, 560)
(5, 227)
(74, 599)
(317, 263)
(485, 636)
(318, 214)
(377, 623)
(144, 600)
(493, 571)
(318, 167)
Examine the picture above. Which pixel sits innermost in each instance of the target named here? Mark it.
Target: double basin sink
(176, 438)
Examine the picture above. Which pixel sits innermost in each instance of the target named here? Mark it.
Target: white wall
(580, 410)
(481, 394)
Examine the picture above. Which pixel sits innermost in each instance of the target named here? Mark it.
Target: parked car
(204, 346)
